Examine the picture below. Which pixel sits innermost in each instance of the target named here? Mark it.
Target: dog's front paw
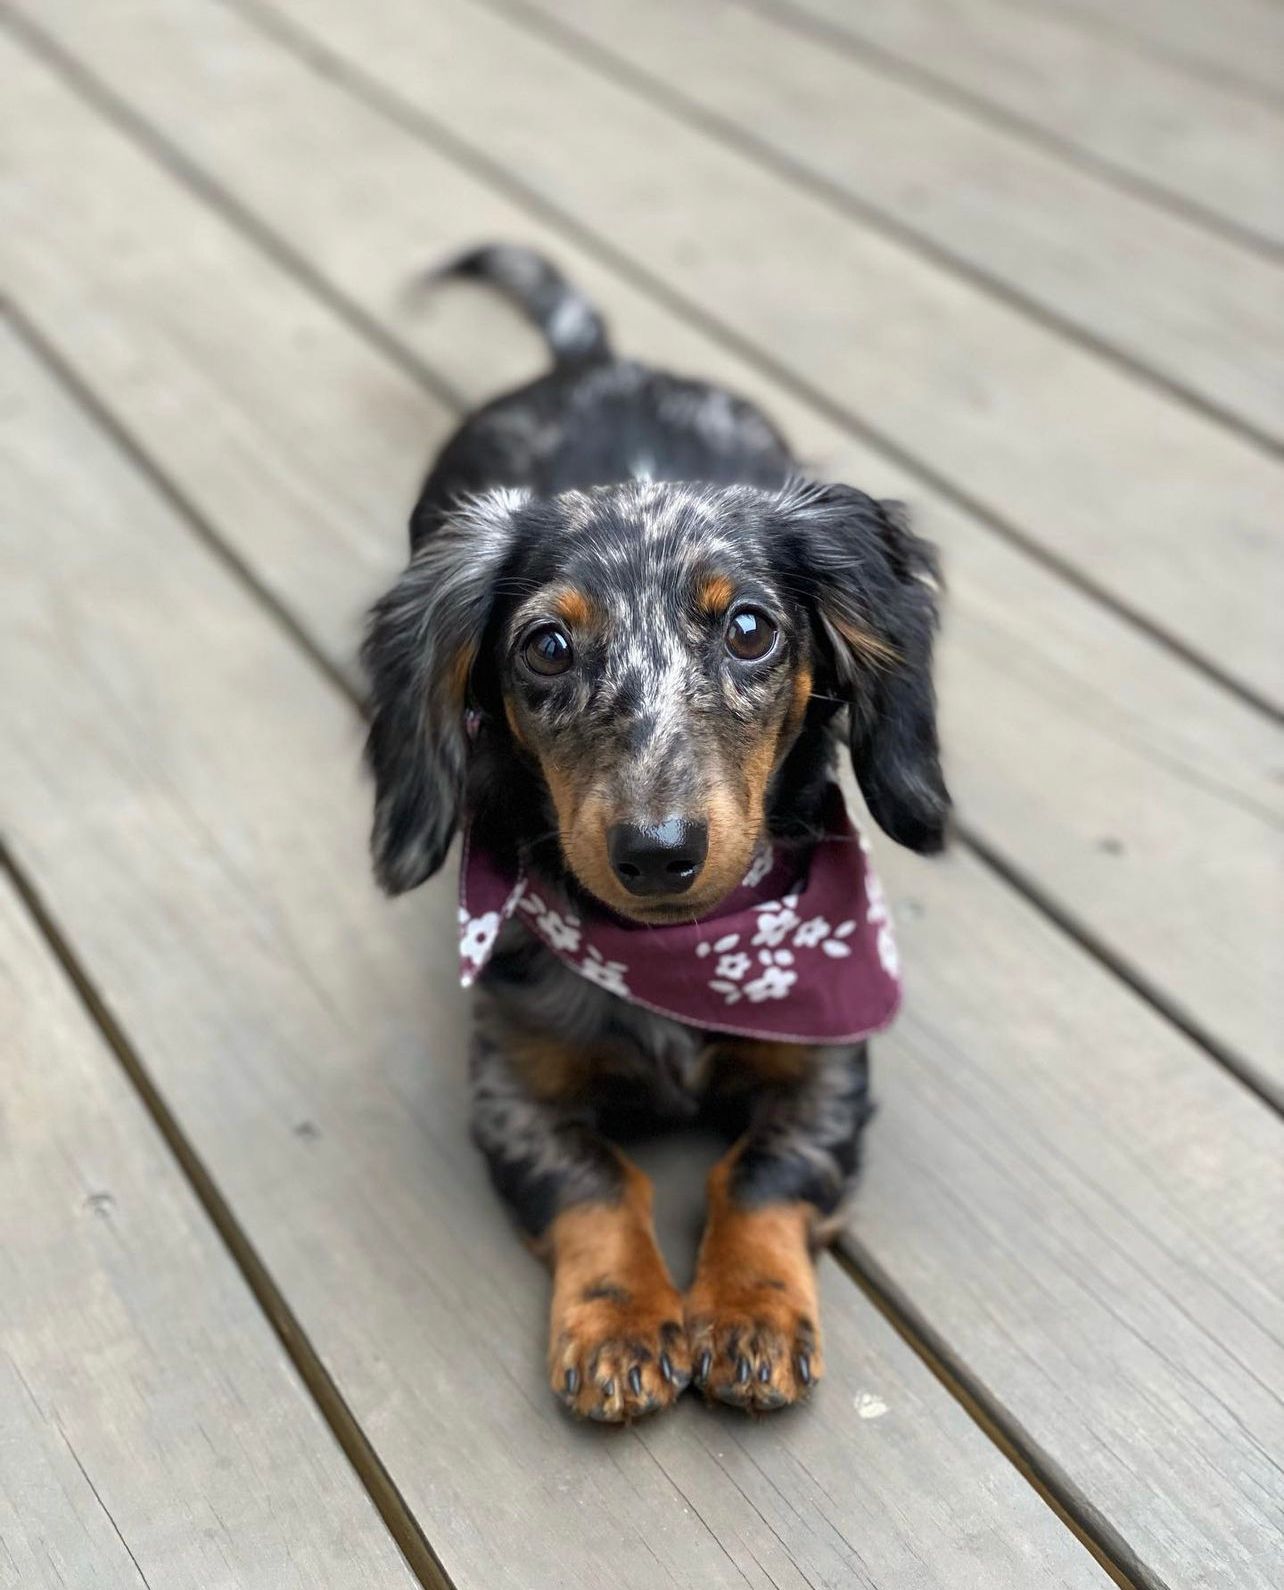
(755, 1345)
(615, 1355)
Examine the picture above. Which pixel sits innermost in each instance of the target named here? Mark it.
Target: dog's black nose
(658, 858)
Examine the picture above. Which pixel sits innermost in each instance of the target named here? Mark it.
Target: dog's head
(649, 652)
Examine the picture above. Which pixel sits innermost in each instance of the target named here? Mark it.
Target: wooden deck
(1020, 262)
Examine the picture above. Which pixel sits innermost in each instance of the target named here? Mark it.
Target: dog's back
(594, 419)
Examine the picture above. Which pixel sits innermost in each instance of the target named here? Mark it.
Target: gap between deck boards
(413, 119)
(355, 1444)
(927, 1346)
(406, 1530)
(145, 134)
(1149, 45)
(974, 100)
(866, 212)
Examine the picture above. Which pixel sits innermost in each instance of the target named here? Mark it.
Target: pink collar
(799, 960)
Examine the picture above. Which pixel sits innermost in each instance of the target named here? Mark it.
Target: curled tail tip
(480, 260)
(569, 323)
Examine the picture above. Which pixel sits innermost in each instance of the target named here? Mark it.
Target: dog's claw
(572, 1381)
(742, 1370)
(635, 1381)
(703, 1367)
(804, 1369)
(666, 1368)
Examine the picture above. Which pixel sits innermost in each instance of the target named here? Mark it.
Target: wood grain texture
(208, 860)
(1100, 1168)
(1172, 298)
(152, 1430)
(1033, 428)
(1198, 143)
(1086, 1217)
(1136, 795)
(1241, 41)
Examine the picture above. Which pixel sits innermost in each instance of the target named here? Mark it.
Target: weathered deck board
(1154, 125)
(209, 864)
(1076, 1104)
(1044, 435)
(1161, 292)
(1098, 762)
(151, 1427)
(1242, 40)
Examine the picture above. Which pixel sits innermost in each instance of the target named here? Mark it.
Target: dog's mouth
(679, 886)
(665, 913)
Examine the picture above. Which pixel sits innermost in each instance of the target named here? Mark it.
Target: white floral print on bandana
(606, 974)
(778, 924)
(477, 935)
(562, 930)
(876, 911)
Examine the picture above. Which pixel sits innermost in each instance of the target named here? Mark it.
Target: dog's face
(657, 673)
(651, 650)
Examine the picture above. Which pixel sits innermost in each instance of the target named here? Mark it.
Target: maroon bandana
(806, 959)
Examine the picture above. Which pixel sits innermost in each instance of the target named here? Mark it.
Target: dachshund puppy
(622, 659)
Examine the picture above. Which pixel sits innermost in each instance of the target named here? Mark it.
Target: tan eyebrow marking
(714, 593)
(573, 607)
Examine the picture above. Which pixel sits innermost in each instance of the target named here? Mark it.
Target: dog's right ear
(421, 642)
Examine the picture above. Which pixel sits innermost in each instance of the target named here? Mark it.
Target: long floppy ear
(874, 587)
(422, 639)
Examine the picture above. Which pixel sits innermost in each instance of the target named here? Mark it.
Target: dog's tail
(571, 326)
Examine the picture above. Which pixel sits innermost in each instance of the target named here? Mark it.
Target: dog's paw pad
(754, 1359)
(613, 1358)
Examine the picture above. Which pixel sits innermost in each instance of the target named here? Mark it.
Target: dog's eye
(751, 635)
(547, 651)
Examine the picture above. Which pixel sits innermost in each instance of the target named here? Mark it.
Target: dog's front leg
(753, 1323)
(617, 1346)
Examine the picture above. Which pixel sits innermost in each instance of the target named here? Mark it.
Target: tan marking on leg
(753, 1320)
(617, 1346)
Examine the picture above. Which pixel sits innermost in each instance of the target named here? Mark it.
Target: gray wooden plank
(1205, 317)
(152, 1430)
(1241, 41)
(1034, 429)
(1087, 1223)
(1134, 794)
(1111, 1200)
(1150, 123)
(208, 861)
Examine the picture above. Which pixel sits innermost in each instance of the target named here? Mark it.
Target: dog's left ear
(873, 585)
(421, 642)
